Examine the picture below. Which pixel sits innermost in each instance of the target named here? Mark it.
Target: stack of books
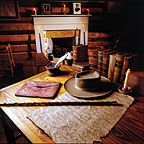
(119, 63)
(93, 55)
(112, 63)
(100, 59)
(80, 53)
(105, 62)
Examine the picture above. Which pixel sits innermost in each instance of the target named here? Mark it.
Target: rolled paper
(126, 79)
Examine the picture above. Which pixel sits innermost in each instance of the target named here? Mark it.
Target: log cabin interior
(109, 21)
(112, 23)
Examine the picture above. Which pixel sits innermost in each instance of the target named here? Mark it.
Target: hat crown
(87, 80)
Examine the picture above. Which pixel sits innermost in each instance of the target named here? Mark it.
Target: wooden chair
(11, 59)
(7, 63)
(9, 70)
(41, 62)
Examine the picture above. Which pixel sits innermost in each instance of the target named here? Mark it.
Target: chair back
(11, 59)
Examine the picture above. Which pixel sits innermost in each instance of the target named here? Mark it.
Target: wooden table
(128, 130)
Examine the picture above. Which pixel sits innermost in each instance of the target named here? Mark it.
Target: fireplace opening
(62, 45)
(58, 42)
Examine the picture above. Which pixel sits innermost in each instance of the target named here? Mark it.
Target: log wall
(20, 32)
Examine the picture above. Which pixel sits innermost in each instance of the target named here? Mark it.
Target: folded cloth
(80, 124)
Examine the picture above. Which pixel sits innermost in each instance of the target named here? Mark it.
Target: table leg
(8, 132)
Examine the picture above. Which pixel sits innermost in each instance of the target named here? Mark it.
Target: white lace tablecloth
(80, 124)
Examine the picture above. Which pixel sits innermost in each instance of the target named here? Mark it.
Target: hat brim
(104, 89)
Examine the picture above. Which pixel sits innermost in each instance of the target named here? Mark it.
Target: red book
(39, 89)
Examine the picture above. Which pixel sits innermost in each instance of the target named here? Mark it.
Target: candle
(77, 36)
(88, 11)
(38, 29)
(34, 9)
(83, 28)
(126, 79)
(64, 7)
(83, 32)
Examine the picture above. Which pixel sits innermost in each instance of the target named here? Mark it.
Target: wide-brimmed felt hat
(88, 84)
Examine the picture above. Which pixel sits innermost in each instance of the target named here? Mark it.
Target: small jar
(50, 56)
(69, 59)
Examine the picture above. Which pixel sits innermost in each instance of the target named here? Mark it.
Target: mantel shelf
(61, 15)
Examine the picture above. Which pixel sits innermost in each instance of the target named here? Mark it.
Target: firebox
(61, 41)
(62, 45)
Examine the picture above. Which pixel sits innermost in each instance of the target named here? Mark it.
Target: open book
(40, 89)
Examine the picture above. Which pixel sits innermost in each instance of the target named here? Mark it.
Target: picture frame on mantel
(46, 8)
(77, 8)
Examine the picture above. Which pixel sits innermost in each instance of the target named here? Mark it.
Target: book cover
(93, 55)
(39, 89)
(118, 66)
(100, 60)
(111, 66)
(105, 62)
(129, 62)
(80, 53)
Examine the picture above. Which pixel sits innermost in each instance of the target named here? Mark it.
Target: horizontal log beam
(102, 43)
(23, 37)
(21, 20)
(16, 32)
(98, 35)
(25, 9)
(17, 48)
(17, 56)
(17, 42)
(16, 26)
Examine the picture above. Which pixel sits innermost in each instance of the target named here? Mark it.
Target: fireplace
(59, 42)
(55, 29)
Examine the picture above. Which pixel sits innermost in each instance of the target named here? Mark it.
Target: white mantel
(60, 22)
